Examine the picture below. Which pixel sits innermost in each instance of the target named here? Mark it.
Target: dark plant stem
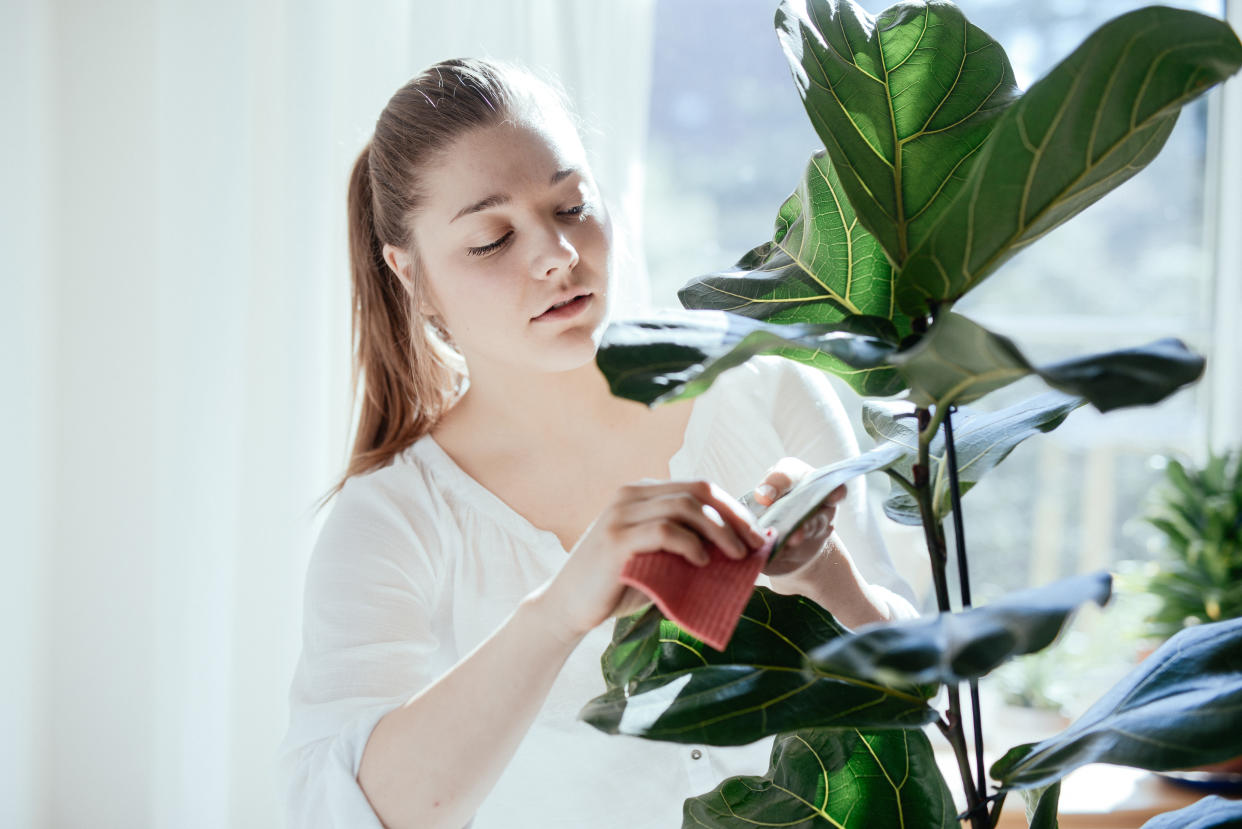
(937, 550)
(933, 532)
(997, 804)
(963, 573)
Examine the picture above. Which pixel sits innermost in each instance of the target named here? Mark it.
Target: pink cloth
(705, 601)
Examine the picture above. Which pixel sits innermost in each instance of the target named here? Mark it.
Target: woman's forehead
(505, 161)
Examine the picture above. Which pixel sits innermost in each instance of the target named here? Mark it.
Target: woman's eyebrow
(497, 199)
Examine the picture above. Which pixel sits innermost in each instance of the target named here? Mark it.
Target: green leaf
(635, 643)
(1095, 120)
(1181, 707)
(1213, 812)
(902, 104)
(959, 361)
(821, 267)
(1129, 377)
(804, 500)
(1041, 806)
(678, 354)
(755, 687)
(954, 647)
(842, 778)
(982, 440)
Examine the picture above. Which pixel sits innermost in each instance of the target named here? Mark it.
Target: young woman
(456, 599)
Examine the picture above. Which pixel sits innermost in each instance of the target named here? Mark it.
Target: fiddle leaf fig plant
(936, 169)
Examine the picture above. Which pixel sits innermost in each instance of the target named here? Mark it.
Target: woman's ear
(401, 264)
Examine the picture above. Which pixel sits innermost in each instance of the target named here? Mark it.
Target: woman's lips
(573, 308)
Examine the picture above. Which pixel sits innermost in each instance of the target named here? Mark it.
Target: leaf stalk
(963, 573)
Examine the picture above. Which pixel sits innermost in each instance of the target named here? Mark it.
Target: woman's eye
(576, 210)
(494, 246)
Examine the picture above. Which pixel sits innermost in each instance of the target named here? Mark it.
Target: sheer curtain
(173, 349)
(1225, 209)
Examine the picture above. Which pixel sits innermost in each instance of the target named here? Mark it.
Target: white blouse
(417, 563)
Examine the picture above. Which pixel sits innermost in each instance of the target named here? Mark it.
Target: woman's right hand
(679, 517)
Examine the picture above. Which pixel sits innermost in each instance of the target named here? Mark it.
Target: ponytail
(409, 375)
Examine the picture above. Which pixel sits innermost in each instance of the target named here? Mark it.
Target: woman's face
(512, 225)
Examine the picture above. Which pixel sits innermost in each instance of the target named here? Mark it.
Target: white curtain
(174, 359)
(1224, 212)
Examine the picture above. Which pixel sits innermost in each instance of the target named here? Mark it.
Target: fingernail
(767, 491)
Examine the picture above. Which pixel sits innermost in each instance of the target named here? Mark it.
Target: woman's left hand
(809, 540)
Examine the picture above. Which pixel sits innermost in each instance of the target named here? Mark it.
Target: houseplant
(1198, 512)
(935, 171)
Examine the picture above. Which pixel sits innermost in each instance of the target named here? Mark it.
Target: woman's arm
(832, 580)
(431, 762)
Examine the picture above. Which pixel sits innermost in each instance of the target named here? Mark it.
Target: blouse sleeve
(814, 427)
(367, 647)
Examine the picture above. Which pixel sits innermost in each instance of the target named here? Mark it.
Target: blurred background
(174, 350)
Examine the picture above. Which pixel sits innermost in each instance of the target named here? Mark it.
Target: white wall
(174, 317)
(25, 401)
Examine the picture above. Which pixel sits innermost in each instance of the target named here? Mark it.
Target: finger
(671, 537)
(781, 478)
(694, 514)
(837, 495)
(735, 515)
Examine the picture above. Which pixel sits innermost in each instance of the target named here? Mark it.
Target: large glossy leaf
(673, 355)
(821, 267)
(1138, 376)
(1181, 707)
(959, 361)
(982, 440)
(954, 647)
(1094, 121)
(757, 686)
(804, 500)
(840, 778)
(1213, 812)
(902, 104)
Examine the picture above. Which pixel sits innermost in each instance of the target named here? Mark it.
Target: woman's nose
(556, 253)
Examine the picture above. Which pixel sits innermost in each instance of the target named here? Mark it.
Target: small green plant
(935, 171)
(1199, 515)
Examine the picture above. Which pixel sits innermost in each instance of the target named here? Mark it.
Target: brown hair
(410, 372)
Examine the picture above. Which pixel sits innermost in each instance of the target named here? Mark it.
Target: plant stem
(963, 573)
(997, 805)
(933, 532)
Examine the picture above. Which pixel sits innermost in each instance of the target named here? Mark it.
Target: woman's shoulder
(395, 509)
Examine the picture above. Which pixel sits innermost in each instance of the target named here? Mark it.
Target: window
(728, 141)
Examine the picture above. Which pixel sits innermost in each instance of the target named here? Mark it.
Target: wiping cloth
(705, 601)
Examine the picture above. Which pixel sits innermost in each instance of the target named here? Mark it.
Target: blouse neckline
(679, 464)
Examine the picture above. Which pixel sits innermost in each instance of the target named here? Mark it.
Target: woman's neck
(548, 412)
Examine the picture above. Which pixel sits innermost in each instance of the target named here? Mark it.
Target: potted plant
(1197, 579)
(935, 171)
(1198, 512)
